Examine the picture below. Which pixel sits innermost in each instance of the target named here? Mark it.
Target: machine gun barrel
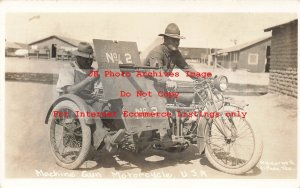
(133, 68)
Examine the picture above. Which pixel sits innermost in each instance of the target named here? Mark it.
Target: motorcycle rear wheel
(70, 137)
(223, 152)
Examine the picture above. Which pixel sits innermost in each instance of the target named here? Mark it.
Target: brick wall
(283, 67)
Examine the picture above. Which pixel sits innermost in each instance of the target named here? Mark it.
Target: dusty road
(27, 152)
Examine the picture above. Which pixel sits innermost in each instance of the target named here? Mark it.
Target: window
(253, 59)
(34, 47)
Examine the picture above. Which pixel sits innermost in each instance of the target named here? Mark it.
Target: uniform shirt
(71, 74)
(166, 59)
(163, 58)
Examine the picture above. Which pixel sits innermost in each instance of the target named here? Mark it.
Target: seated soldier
(75, 79)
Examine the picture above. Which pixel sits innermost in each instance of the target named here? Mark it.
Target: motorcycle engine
(187, 128)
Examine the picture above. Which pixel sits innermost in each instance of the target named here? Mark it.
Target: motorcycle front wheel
(232, 144)
(70, 137)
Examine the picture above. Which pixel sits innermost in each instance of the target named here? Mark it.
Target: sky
(204, 30)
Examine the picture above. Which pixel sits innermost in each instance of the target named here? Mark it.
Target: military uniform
(71, 75)
(166, 59)
(74, 75)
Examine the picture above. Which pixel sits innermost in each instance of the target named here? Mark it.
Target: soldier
(167, 55)
(76, 79)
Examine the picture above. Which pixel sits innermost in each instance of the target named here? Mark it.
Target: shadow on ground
(126, 160)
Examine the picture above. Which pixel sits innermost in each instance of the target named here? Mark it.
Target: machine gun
(133, 68)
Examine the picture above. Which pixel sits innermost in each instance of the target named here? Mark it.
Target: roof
(12, 45)
(70, 41)
(22, 45)
(193, 53)
(244, 45)
(282, 25)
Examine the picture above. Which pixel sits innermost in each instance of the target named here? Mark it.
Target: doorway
(268, 59)
(53, 51)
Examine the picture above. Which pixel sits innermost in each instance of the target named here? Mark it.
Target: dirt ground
(28, 155)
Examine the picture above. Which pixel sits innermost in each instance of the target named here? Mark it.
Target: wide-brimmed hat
(172, 30)
(84, 50)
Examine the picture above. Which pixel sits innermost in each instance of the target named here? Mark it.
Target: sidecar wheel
(70, 137)
(236, 155)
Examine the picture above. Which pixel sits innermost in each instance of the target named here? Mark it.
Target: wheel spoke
(244, 135)
(67, 136)
(216, 138)
(61, 139)
(243, 129)
(219, 136)
(219, 127)
(243, 145)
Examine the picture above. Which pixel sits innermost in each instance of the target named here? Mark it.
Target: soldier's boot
(111, 142)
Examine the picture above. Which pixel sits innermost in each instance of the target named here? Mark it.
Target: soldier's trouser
(98, 131)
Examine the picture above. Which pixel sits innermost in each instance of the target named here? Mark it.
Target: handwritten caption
(193, 173)
(277, 165)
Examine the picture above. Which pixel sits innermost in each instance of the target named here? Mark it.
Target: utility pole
(235, 41)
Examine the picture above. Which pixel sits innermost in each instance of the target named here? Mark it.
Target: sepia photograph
(151, 95)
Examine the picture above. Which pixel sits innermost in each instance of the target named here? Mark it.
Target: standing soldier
(167, 55)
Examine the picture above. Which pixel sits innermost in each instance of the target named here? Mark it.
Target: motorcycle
(200, 115)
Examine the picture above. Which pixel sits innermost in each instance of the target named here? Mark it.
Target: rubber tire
(86, 137)
(258, 148)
